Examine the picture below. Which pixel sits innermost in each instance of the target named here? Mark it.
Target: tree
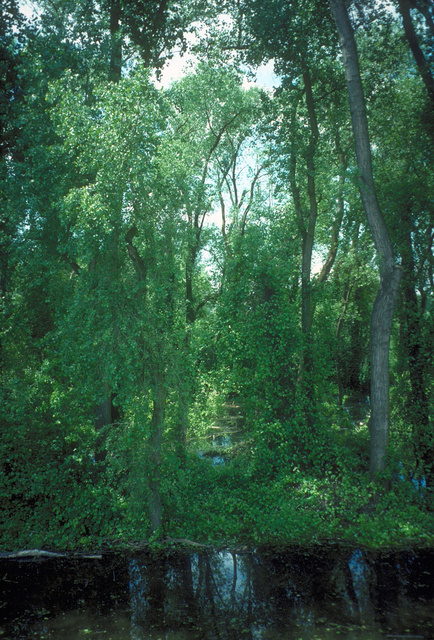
(214, 118)
(410, 34)
(404, 184)
(301, 159)
(304, 132)
(135, 228)
(161, 255)
(10, 145)
(385, 302)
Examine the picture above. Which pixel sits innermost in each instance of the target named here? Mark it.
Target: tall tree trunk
(387, 295)
(425, 7)
(307, 230)
(309, 233)
(421, 62)
(105, 273)
(184, 381)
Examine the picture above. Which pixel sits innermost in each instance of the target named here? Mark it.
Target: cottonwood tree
(315, 180)
(214, 117)
(385, 302)
(135, 230)
(404, 184)
(420, 58)
(321, 39)
(121, 234)
(304, 133)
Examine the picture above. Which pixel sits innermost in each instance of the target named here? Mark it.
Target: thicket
(170, 256)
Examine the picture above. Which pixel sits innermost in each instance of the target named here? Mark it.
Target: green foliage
(152, 244)
(259, 338)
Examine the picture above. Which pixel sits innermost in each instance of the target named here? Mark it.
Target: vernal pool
(321, 593)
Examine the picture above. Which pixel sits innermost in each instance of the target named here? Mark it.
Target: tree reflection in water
(322, 594)
(295, 594)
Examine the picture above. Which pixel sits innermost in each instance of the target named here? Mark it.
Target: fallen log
(40, 553)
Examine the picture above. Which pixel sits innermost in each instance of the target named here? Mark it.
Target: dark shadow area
(333, 591)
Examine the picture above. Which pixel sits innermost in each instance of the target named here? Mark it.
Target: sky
(177, 67)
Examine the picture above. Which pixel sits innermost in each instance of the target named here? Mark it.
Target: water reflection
(306, 594)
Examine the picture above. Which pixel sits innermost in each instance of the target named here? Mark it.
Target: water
(227, 432)
(316, 594)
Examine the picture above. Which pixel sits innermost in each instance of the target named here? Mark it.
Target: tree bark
(421, 62)
(387, 295)
(309, 233)
(307, 224)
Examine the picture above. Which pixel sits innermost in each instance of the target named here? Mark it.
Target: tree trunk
(421, 62)
(307, 230)
(309, 233)
(423, 6)
(387, 295)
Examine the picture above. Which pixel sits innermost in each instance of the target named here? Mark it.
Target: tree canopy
(216, 298)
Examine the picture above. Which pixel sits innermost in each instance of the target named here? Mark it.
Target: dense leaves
(187, 277)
